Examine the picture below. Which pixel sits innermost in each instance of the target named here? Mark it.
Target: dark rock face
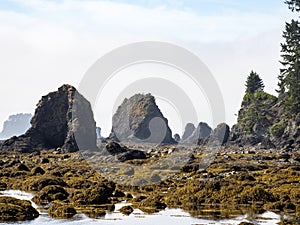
(12, 209)
(15, 125)
(138, 119)
(202, 132)
(189, 129)
(63, 119)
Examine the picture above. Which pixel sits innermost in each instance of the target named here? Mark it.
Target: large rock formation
(262, 121)
(138, 119)
(63, 119)
(200, 133)
(188, 130)
(15, 125)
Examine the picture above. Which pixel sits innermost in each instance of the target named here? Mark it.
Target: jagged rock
(63, 119)
(15, 125)
(176, 137)
(136, 118)
(202, 132)
(188, 130)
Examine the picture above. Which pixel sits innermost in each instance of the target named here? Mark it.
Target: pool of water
(167, 216)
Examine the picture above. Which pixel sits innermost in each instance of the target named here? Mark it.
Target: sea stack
(63, 119)
(138, 119)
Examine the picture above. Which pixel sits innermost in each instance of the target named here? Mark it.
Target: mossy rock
(256, 194)
(50, 193)
(62, 211)
(126, 210)
(94, 212)
(12, 209)
(79, 183)
(152, 204)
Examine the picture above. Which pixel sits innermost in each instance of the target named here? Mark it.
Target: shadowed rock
(63, 119)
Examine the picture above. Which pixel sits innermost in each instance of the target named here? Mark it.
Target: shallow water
(168, 216)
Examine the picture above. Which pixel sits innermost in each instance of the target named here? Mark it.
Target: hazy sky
(44, 44)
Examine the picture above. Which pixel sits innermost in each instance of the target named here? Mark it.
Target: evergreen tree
(254, 83)
(289, 78)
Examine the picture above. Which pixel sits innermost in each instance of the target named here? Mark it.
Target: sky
(44, 44)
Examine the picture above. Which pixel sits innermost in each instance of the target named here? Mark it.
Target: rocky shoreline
(239, 181)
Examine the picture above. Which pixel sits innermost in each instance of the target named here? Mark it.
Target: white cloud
(53, 43)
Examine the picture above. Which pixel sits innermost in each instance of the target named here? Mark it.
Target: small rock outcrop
(63, 119)
(15, 125)
(188, 131)
(138, 119)
(257, 114)
(202, 132)
(176, 138)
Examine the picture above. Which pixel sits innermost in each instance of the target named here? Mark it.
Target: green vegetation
(289, 78)
(254, 83)
(277, 129)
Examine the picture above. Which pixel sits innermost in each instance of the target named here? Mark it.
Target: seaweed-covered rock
(38, 183)
(63, 119)
(126, 210)
(12, 209)
(97, 194)
(136, 117)
(49, 194)
(61, 210)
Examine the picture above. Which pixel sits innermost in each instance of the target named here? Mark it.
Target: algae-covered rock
(12, 209)
(61, 210)
(38, 183)
(49, 194)
(126, 210)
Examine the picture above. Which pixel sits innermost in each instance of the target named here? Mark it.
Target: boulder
(138, 119)
(63, 119)
(12, 209)
(126, 210)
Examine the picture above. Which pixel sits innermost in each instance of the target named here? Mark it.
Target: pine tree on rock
(254, 83)
(289, 78)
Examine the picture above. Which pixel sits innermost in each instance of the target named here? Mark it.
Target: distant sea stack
(63, 119)
(200, 133)
(188, 130)
(15, 125)
(134, 119)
